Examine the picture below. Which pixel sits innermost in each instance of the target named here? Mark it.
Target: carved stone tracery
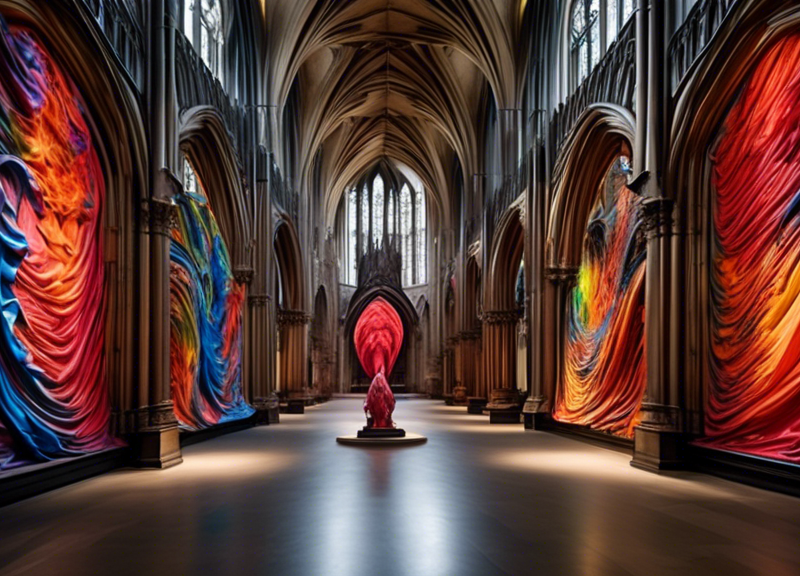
(500, 316)
(293, 318)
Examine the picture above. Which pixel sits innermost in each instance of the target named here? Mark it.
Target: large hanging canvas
(753, 394)
(53, 390)
(604, 375)
(206, 321)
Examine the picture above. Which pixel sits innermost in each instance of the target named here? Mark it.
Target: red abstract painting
(378, 337)
(753, 398)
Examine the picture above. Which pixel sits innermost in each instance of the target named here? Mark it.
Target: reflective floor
(476, 499)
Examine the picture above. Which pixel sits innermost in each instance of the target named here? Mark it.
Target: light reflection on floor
(476, 499)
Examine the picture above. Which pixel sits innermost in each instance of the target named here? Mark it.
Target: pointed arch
(601, 134)
(204, 140)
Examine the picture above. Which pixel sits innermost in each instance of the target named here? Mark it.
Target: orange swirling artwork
(53, 390)
(753, 399)
(604, 375)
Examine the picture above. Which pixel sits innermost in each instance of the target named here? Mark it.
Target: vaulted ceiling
(401, 79)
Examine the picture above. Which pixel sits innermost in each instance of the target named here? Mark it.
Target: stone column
(261, 341)
(470, 342)
(499, 344)
(293, 327)
(658, 439)
(155, 439)
(556, 290)
(537, 401)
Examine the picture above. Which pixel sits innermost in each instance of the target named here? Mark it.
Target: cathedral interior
(406, 287)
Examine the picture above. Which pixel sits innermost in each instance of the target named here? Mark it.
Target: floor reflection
(476, 499)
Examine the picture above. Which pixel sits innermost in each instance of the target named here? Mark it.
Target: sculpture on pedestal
(378, 337)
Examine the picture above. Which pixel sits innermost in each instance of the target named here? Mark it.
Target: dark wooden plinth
(294, 406)
(189, 437)
(475, 405)
(381, 433)
(274, 414)
(761, 472)
(504, 416)
(34, 479)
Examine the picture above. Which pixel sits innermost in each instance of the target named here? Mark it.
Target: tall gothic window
(202, 25)
(376, 213)
(594, 25)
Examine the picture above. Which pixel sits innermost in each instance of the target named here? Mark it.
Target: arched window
(351, 266)
(377, 208)
(593, 27)
(405, 231)
(375, 213)
(421, 259)
(202, 26)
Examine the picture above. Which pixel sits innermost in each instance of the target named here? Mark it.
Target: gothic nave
(399, 287)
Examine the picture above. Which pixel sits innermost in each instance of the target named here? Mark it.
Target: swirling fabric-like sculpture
(604, 375)
(206, 322)
(378, 337)
(53, 391)
(753, 402)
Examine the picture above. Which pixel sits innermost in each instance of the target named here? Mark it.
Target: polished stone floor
(476, 499)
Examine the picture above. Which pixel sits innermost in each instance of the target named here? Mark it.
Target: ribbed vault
(394, 79)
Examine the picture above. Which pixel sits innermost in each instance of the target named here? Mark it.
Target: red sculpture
(378, 337)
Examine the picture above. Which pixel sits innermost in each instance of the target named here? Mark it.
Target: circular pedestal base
(409, 438)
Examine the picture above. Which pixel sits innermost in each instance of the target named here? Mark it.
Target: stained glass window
(421, 238)
(351, 265)
(405, 232)
(401, 216)
(377, 210)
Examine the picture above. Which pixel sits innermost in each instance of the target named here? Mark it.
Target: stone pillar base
(261, 416)
(656, 450)
(535, 414)
(504, 415)
(476, 404)
(537, 420)
(274, 414)
(157, 448)
(294, 406)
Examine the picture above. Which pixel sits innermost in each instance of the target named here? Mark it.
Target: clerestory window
(376, 214)
(202, 26)
(594, 25)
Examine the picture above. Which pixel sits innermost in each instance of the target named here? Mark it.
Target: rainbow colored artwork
(206, 321)
(753, 395)
(604, 375)
(53, 390)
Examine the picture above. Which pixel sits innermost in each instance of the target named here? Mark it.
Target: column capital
(159, 216)
(293, 318)
(561, 274)
(243, 274)
(656, 215)
(500, 316)
(258, 300)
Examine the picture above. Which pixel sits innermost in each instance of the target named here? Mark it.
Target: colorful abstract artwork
(753, 396)
(206, 321)
(53, 391)
(604, 367)
(378, 337)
